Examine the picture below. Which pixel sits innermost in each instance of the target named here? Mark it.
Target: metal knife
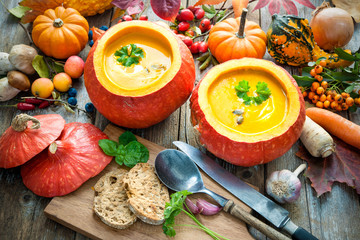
(275, 214)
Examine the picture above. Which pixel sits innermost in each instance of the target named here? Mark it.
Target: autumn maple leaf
(289, 5)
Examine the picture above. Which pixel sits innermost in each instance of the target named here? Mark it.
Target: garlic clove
(190, 206)
(207, 208)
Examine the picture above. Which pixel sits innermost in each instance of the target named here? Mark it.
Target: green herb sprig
(127, 151)
(174, 207)
(262, 90)
(129, 55)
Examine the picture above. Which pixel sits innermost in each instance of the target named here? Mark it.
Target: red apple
(74, 66)
(146, 107)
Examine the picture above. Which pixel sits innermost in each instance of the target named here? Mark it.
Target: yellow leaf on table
(209, 2)
(238, 6)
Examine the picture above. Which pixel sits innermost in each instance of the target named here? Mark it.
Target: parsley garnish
(129, 55)
(262, 90)
(174, 207)
(127, 151)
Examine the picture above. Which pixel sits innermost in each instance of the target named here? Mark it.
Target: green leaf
(353, 108)
(262, 90)
(109, 147)
(58, 67)
(126, 138)
(40, 66)
(19, 11)
(303, 81)
(129, 55)
(344, 55)
(344, 76)
(350, 88)
(135, 153)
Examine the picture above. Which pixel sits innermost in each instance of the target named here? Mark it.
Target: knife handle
(240, 213)
(302, 234)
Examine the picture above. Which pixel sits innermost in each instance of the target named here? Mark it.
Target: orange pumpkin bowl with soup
(138, 73)
(241, 133)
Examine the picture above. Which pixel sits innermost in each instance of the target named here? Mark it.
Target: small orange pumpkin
(237, 38)
(60, 33)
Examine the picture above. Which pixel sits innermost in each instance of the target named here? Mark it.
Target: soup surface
(154, 64)
(256, 118)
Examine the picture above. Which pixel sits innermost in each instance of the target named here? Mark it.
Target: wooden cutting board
(75, 210)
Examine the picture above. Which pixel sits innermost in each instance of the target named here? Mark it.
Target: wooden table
(334, 215)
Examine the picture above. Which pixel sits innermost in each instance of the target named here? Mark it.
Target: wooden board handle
(240, 213)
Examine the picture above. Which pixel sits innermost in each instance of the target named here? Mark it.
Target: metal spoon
(178, 172)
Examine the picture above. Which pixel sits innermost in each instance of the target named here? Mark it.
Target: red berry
(120, 20)
(210, 27)
(181, 36)
(188, 41)
(183, 26)
(204, 25)
(199, 13)
(143, 17)
(186, 15)
(203, 47)
(179, 18)
(190, 33)
(127, 18)
(194, 48)
(193, 9)
(175, 31)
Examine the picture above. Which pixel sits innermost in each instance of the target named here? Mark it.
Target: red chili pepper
(44, 104)
(25, 106)
(33, 101)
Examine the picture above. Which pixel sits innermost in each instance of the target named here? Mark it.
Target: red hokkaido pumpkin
(27, 137)
(67, 163)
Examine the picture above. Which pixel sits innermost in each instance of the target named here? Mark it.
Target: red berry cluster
(184, 31)
(130, 18)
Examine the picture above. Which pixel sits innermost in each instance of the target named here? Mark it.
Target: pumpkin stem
(241, 32)
(19, 123)
(58, 23)
(53, 148)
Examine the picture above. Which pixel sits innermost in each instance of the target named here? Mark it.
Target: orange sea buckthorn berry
(344, 106)
(334, 105)
(312, 72)
(322, 98)
(345, 95)
(320, 90)
(338, 98)
(338, 108)
(320, 104)
(304, 94)
(315, 85)
(349, 101)
(319, 78)
(311, 95)
(357, 101)
(326, 104)
(315, 99)
(324, 84)
(329, 98)
(318, 69)
(322, 63)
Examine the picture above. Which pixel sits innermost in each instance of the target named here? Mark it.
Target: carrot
(335, 124)
(316, 140)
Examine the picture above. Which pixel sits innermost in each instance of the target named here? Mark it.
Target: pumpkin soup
(147, 66)
(244, 117)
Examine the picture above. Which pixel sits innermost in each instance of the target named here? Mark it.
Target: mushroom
(5, 64)
(21, 56)
(284, 186)
(7, 91)
(18, 80)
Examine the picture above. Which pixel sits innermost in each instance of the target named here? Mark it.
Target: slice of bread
(111, 201)
(147, 195)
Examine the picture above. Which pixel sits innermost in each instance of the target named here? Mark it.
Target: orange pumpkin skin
(224, 43)
(146, 110)
(60, 33)
(243, 153)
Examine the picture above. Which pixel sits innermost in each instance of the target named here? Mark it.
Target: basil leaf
(303, 81)
(135, 153)
(344, 55)
(126, 138)
(109, 147)
(119, 159)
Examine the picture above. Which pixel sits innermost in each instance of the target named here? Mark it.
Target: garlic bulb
(284, 186)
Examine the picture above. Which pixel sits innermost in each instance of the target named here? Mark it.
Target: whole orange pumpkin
(60, 33)
(235, 38)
